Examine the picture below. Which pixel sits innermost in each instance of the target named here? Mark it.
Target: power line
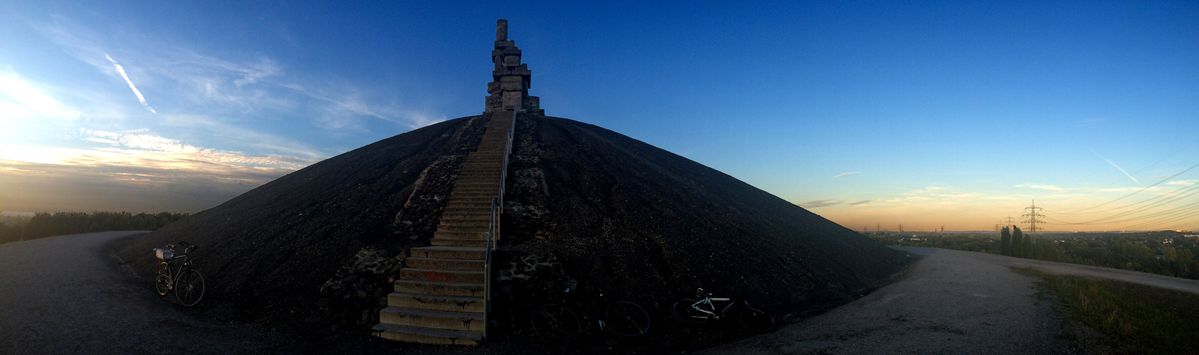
(1132, 215)
(1150, 202)
(1142, 189)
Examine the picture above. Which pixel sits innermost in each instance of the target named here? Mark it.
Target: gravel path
(1155, 280)
(949, 302)
(67, 295)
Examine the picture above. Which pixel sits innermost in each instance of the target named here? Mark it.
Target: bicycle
(187, 282)
(560, 323)
(694, 312)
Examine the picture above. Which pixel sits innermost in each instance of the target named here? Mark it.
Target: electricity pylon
(1032, 216)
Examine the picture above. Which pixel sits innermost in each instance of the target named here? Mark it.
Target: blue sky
(920, 113)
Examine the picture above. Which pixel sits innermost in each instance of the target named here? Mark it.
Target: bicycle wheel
(189, 288)
(162, 280)
(683, 312)
(754, 320)
(627, 319)
(556, 323)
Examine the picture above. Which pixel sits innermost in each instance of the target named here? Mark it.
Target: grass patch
(1133, 318)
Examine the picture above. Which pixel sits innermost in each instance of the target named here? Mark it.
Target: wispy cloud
(257, 85)
(135, 170)
(252, 138)
(138, 93)
(1188, 182)
(857, 203)
(847, 173)
(820, 203)
(1046, 187)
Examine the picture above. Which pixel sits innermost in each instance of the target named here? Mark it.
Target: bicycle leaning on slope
(175, 272)
(704, 307)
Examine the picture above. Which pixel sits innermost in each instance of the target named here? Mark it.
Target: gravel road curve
(67, 295)
(949, 302)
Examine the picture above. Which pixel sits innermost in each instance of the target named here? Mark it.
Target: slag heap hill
(583, 205)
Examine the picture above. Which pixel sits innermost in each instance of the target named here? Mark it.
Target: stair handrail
(493, 226)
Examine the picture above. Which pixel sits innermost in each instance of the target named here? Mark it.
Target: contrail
(1113, 164)
(121, 70)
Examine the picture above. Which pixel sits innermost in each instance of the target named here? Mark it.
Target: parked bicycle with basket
(562, 323)
(175, 273)
(704, 308)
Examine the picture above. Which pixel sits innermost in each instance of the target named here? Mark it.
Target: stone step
(458, 214)
(474, 162)
(445, 264)
(488, 173)
(460, 217)
(423, 335)
(460, 242)
(465, 228)
(467, 212)
(475, 192)
(470, 202)
(470, 196)
(482, 204)
(460, 235)
(477, 188)
(439, 288)
(473, 170)
(486, 157)
(481, 164)
(479, 176)
(438, 252)
(441, 275)
(472, 321)
(478, 182)
(470, 222)
(473, 196)
(491, 176)
(466, 219)
(436, 303)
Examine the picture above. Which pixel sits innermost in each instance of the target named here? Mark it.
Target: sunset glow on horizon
(925, 115)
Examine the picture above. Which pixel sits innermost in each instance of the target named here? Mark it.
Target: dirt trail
(950, 302)
(65, 295)
(1155, 280)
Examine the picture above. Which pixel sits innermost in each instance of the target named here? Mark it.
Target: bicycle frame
(183, 262)
(174, 271)
(710, 302)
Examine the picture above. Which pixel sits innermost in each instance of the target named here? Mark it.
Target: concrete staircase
(441, 294)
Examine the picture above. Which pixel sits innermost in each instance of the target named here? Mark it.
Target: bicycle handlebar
(188, 247)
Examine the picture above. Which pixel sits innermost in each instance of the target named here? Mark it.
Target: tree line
(46, 224)
(1015, 243)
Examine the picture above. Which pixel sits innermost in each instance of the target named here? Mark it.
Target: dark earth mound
(585, 206)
